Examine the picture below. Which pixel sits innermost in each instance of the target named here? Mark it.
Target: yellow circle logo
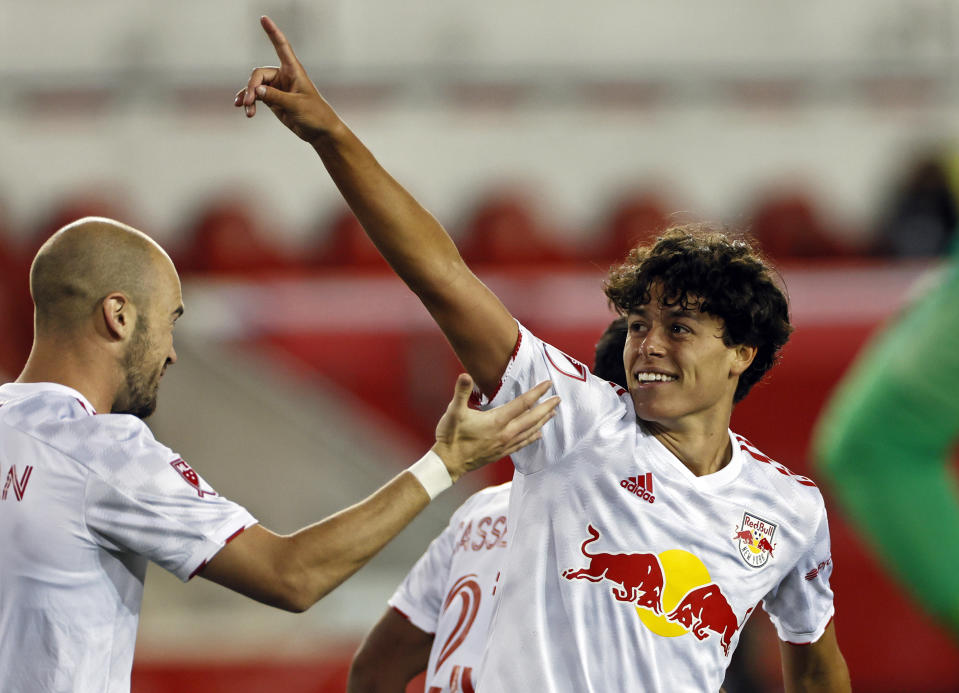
(683, 572)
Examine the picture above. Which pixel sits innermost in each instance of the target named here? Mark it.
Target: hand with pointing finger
(288, 91)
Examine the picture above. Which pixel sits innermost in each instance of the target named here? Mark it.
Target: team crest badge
(755, 540)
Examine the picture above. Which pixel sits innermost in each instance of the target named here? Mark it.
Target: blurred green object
(885, 440)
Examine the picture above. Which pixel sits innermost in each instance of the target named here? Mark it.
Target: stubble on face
(142, 379)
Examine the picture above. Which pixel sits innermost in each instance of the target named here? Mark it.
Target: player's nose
(652, 344)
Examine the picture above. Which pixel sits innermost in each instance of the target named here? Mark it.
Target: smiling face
(678, 367)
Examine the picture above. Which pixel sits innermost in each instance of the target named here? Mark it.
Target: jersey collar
(708, 482)
(18, 390)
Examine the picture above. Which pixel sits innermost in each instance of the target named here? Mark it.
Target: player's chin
(652, 410)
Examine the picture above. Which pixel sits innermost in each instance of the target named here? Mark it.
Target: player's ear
(119, 316)
(743, 356)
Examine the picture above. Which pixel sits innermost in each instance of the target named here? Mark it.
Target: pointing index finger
(283, 49)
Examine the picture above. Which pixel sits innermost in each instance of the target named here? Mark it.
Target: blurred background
(548, 139)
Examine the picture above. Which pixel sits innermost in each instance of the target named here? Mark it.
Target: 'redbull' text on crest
(754, 539)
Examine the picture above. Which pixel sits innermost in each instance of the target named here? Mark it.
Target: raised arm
(893, 424)
(295, 571)
(476, 323)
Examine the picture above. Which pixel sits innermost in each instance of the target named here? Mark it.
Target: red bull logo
(706, 609)
(672, 591)
(754, 537)
(636, 577)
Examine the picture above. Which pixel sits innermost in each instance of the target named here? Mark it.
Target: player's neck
(702, 446)
(89, 376)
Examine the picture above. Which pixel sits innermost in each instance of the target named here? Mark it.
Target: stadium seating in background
(343, 243)
(504, 230)
(634, 218)
(16, 309)
(921, 215)
(789, 226)
(104, 201)
(226, 237)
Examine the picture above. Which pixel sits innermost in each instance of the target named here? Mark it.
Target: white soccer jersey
(450, 591)
(625, 571)
(86, 501)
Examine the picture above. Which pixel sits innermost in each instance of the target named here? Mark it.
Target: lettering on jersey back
(461, 681)
(469, 593)
(17, 482)
(486, 534)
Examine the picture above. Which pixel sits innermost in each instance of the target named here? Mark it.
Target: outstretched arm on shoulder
(295, 571)
(478, 326)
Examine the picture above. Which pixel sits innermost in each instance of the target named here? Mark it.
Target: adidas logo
(641, 486)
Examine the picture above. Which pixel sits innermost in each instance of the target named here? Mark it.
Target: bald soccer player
(90, 496)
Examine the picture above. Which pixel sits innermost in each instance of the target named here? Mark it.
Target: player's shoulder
(26, 406)
(797, 491)
(571, 374)
(97, 441)
(484, 501)
(491, 493)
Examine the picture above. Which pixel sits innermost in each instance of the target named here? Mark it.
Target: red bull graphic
(706, 609)
(672, 591)
(755, 539)
(637, 577)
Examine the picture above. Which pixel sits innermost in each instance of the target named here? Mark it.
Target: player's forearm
(829, 680)
(884, 442)
(817, 667)
(406, 234)
(323, 555)
(423, 255)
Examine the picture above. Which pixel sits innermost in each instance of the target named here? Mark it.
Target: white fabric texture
(451, 590)
(92, 498)
(625, 571)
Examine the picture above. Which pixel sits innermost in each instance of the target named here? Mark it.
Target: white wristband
(430, 471)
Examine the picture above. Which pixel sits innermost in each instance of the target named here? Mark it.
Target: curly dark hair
(702, 267)
(608, 360)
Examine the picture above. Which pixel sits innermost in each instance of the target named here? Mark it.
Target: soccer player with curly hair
(643, 532)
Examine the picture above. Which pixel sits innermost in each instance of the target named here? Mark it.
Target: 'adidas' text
(640, 486)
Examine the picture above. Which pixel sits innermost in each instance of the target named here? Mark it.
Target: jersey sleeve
(142, 497)
(420, 596)
(801, 604)
(586, 400)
